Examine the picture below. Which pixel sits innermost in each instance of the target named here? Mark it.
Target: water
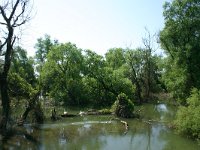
(103, 133)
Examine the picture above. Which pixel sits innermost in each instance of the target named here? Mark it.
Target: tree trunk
(138, 91)
(33, 105)
(5, 102)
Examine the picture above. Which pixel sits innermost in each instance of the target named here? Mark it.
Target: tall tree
(107, 78)
(43, 47)
(61, 74)
(135, 65)
(23, 65)
(13, 14)
(180, 38)
(149, 67)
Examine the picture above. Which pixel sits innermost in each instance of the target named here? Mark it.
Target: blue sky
(94, 24)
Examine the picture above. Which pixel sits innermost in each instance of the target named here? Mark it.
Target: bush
(188, 118)
(123, 107)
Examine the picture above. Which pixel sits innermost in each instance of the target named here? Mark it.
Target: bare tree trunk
(5, 102)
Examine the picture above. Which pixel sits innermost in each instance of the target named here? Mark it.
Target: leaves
(188, 118)
(180, 39)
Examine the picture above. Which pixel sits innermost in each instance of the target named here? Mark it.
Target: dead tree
(148, 41)
(13, 14)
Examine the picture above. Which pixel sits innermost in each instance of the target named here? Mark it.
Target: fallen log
(68, 115)
(123, 122)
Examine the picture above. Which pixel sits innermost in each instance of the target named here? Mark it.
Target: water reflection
(99, 133)
(161, 108)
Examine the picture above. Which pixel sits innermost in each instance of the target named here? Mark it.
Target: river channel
(152, 132)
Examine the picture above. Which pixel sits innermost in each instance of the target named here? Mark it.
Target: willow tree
(13, 15)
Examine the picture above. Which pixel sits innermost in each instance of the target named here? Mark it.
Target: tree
(104, 80)
(13, 14)
(135, 65)
(23, 65)
(99, 77)
(61, 74)
(24, 68)
(143, 71)
(115, 58)
(150, 67)
(180, 38)
(43, 47)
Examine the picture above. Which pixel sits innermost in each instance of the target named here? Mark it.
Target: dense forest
(62, 74)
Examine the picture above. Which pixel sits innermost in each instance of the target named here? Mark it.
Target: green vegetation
(181, 41)
(123, 107)
(64, 75)
(188, 119)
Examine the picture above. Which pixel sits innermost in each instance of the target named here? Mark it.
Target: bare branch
(13, 41)
(18, 16)
(3, 23)
(2, 45)
(3, 14)
(13, 10)
(19, 24)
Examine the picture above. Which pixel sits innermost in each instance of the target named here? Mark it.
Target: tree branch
(3, 23)
(3, 14)
(15, 24)
(2, 45)
(13, 10)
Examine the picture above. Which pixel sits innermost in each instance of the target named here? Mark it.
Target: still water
(103, 133)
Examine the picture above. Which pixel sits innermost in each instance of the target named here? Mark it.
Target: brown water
(103, 133)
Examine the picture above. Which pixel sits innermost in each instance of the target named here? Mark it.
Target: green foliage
(123, 107)
(21, 78)
(61, 74)
(23, 65)
(181, 41)
(188, 118)
(19, 87)
(115, 58)
(38, 114)
(105, 82)
(105, 111)
(143, 72)
(43, 47)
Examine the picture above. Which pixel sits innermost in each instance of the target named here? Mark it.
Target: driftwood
(154, 121)
(68, 115)
(94, 112)
(123, 122)
(81, 114)
(89, 112)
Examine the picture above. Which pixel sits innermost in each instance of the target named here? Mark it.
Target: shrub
(188, 118)
(123, 107)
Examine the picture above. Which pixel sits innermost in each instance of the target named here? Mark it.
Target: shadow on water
(100, 133)
(19, 138)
